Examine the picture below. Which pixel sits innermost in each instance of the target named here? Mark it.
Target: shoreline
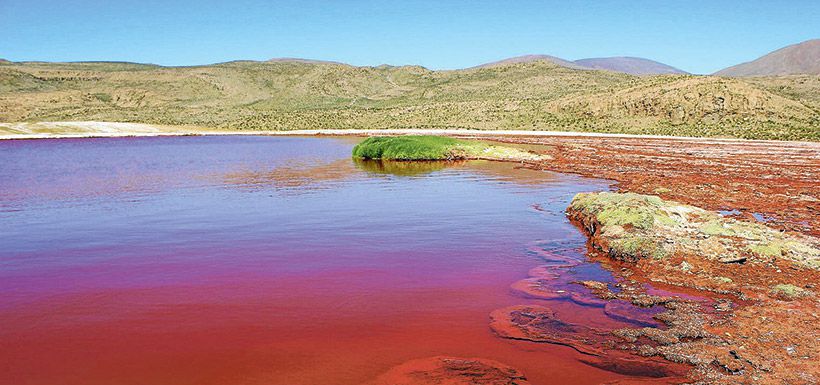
(122, 130)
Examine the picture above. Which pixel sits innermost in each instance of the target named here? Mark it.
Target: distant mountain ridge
(529, 59)
(629, 65)
(624, 64)
(801, 58)
(301, 60)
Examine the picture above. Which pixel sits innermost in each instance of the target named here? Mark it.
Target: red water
(244, 260)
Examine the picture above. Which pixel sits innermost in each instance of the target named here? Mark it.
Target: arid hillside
(290, 94)
(802, 58)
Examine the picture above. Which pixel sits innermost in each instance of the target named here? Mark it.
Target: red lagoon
(245, 260)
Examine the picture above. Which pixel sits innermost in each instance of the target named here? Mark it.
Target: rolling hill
(299, 94)
(532, 58)
(802, 58)
(629, 65)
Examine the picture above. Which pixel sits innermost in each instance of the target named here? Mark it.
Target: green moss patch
(640, 247)
(789, 291)
(626, 210)
(662, 190)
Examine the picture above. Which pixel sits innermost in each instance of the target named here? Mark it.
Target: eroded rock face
(443, 370)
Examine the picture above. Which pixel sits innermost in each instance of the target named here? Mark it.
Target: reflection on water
(401, 168)
(500, 171)
(304, 176)
(212, 260)
(293, 177)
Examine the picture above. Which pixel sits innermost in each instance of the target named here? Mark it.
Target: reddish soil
(779, 182)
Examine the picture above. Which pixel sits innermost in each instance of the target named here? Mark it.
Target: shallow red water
(244, 260)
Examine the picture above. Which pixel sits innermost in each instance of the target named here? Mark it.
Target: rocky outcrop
(633, 226)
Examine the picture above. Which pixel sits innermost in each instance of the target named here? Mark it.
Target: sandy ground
(45, 130)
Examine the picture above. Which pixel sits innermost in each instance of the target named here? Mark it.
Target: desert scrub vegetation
(428, 147)
(288, 95)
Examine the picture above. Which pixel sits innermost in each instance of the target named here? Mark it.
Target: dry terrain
(531, 94)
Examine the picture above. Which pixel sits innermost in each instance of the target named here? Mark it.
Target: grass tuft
(426, 147)
(406, 148)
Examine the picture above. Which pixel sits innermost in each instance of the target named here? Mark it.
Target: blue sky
(696, 36)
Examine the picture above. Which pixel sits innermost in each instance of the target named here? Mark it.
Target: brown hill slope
(533, 95)
(716, 104)
(802, 58)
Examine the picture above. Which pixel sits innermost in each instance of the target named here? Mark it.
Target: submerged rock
(540, 324)
(552, 282)
(627, 312)
(443, 370)
(541, 288)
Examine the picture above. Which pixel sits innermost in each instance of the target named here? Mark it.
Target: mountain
(300, 60)
(531, 94)
(629, 65)
(531, 58)
(802, 58)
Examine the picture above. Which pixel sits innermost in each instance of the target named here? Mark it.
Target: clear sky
(696, 36)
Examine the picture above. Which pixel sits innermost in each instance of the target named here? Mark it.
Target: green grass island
(428, 147)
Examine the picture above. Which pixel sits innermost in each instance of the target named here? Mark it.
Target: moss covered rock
(633, 226)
